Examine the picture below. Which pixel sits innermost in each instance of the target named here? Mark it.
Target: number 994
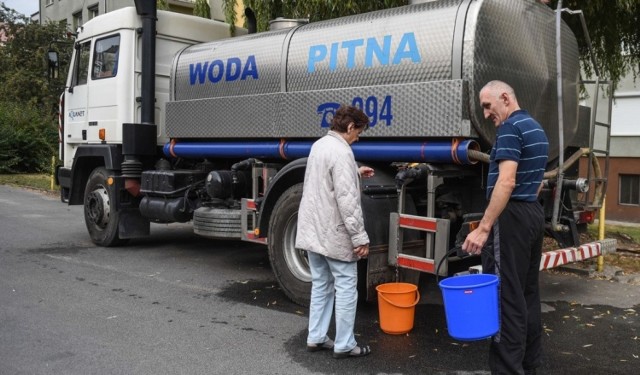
(377, 112)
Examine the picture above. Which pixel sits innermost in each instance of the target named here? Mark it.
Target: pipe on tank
(437, 151)
(431, 151)
(139, 139)
(252, 23)
(148, 11)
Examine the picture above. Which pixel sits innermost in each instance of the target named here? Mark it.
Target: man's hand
(475, 241)
(362, 251)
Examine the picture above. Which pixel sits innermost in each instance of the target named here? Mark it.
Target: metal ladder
(595, 178)
(595, 198)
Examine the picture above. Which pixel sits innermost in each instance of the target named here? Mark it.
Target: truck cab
(103, 86)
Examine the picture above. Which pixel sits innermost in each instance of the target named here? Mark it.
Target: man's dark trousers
(516, 244)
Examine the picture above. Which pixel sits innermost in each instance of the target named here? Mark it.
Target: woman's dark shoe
(358, 351)
(323, 346)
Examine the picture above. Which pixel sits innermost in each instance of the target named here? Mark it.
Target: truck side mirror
(53, 66)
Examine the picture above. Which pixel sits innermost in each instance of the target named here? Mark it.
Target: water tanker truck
(167, 118)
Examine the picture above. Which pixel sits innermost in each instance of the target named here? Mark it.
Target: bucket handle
(400, 306)
(455, 250)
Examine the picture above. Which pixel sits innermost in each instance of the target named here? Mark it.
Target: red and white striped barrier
(555, 258)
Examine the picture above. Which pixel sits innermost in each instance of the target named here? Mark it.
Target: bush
(27, 138)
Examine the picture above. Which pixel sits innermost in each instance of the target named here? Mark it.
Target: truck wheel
(99, 214)
(290, 265)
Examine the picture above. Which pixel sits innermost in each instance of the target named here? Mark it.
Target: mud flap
(133, 224)
(378, 270)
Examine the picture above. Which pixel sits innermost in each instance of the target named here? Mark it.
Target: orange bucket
(396, 306)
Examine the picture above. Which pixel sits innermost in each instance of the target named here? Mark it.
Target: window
(77, 20)
(625, 115)
(629, 189)
(93, 11)
(105, 57)
(82, 63)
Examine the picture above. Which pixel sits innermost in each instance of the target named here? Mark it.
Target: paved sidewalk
(620, 223)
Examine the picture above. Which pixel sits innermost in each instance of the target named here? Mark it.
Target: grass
(625, 233)
(30, 180)
(628, 238)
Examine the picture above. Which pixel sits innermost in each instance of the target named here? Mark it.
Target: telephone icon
(327, 110)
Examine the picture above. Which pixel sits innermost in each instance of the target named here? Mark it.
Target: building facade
(77, 12)
(623, 178)
(623, 192)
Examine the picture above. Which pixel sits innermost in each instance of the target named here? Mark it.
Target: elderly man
(512, 229)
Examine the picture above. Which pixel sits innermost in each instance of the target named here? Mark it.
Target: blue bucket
(471, 306)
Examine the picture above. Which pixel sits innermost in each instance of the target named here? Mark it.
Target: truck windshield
(105, 57)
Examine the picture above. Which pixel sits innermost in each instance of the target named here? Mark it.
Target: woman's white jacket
(330, 220)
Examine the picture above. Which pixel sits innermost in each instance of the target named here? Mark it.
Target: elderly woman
(331, 230)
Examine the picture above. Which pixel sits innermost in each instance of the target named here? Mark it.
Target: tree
(162, 5)
(27, 138)
(28, 98)
(201, 9)
(612, 24)
(614, 33)
(23, 69)
(314, 10)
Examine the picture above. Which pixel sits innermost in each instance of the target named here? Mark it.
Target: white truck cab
(103, 85)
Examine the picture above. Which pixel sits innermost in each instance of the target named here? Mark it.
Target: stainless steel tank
(286, 23)
(424, 64)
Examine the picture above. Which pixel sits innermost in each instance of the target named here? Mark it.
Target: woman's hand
(365, 171)
(362, 251)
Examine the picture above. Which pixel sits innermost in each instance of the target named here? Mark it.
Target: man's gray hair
(497, 87)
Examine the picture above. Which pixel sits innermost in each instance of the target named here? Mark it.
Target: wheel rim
(97, 207)
(296, 259)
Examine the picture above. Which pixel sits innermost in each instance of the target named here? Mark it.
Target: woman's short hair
(346, 115)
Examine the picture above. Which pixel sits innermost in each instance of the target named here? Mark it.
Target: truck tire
(290, 265)
(101, 218)
(218, 223)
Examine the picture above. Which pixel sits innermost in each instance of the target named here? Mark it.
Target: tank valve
(582, 185)
(579, 184)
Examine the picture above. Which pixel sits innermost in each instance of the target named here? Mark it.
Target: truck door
(102, 97)
(76, 96)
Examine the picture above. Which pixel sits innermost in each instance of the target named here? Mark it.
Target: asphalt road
(178, 304)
